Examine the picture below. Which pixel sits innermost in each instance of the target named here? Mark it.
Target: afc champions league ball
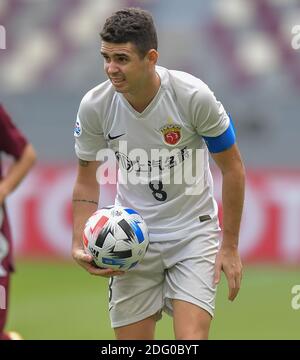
(117, 238)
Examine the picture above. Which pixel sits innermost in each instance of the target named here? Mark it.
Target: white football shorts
(181, 270)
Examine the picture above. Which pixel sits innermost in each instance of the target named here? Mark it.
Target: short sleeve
(12, 141)
(208, 114)
(88, 133)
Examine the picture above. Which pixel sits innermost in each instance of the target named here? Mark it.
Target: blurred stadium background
(243, 51)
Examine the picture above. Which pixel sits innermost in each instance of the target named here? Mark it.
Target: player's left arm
(17, 171)
(228, 260)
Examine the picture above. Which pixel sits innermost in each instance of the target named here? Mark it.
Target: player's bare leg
(141, 330)
(190, 321)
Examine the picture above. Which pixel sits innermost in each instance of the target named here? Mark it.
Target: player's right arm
(84, 204)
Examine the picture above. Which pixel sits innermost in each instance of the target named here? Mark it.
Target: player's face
(126, 70)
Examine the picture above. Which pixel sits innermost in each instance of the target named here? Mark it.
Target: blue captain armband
(221, 142)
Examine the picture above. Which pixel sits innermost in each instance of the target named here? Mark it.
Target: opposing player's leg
(4, 304)
(4, 300)
(140, 330)
(190, 321)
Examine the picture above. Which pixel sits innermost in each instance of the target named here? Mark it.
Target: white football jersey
(163, 160)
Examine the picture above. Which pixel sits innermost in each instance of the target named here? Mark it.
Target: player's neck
(143, 97)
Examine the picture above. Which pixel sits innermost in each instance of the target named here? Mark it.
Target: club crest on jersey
(171, 134)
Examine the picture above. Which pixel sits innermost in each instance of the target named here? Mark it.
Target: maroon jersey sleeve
(12, 141)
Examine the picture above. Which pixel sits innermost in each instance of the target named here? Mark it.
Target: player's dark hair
(131, 25)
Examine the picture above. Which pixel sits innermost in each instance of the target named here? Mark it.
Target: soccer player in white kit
(157, 122)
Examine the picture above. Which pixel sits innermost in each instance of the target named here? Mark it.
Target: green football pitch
(59, 300)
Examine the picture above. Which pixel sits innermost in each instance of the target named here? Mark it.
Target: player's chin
(120, 91)
(121, 87)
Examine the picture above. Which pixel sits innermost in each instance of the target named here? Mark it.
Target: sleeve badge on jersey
(77, 128)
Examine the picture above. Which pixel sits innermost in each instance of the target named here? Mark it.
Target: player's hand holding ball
(87, 262)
